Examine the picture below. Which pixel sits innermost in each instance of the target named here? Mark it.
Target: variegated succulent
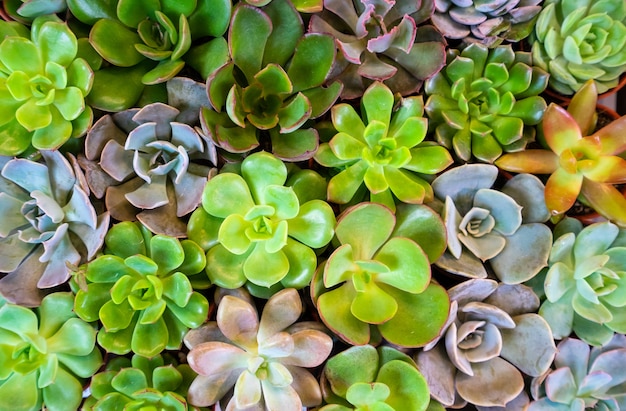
(148, 166)
(381, 40)
(48, 224)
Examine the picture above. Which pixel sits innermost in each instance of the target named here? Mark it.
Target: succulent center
(28, 356)
(154, 35)
(477, 222)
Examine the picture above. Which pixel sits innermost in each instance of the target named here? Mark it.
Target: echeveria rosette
(45, 355)
(42, 87)
(585, 282)
(486, 101)
(583, 164)
(363, 377)
(581, 40)
(381, 40)
(377, 282)
(486, 22)
(48, 224)
(149, 164)
(245, 363)
(274, 82)
(140, 383)
(492, 338)
(583, 378)
(504, 227)
(257, 231)
(141, 291)
(385, 151)
(148, 43)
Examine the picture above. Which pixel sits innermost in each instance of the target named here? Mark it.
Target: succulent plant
(581, 40)
(148, 165)
(27, 10)
(585, 281)
(486, 22)
(363, 377)
(491, 337)
(485, 101)
(48, 222)
(303, 6)
(388, 154)
(148, 43)
(245, 363)
(504, 227)
(273, 83)
(140, 383)
(381, 40)
(141, 291)
(45, 354)
(257, 231)
(42, 87)
(583, 378)
(378, 281)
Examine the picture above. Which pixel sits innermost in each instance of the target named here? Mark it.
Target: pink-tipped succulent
(583, 164)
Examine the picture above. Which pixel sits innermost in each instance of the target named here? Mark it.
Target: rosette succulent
(245, 363)
(486, 22)
(504, 227)
(583, 378)
(491, 337)
(364, 377)
(150, 165)
(140, 383)
(381, 40)
(47, 223)
(585, 281)
(486, 101)
(388, 154)
(273, 83)
(43, 85)
(580, 40)
(45, 355)
(141, 291)
(583, 163)
(377, 282)
(257, 231)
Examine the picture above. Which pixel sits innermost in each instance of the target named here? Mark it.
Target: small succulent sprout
(140, 383)
(585, 282)
(486, 22)
(248, 363)
(388, 154)
(148, 166)
(48, 224)
(583, 378)
(491, 340)
(364, 377)
(141, 291)
(274, 82)
(504, 227)
(381, 40)
(42, 87)
(257, 231)
(581, 40)
(26, 11)
(583, 164)
(486, 101)
(378, 281)
(47, 354)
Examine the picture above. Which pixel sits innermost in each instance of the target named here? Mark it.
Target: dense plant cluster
(329, 205)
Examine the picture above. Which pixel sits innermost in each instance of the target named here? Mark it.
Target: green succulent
(139, 384)
(258, 232)
(42, 87)
(27, 10)
(273, 83)
(44, 355)
(585, 281)
(580, 40)
(486, 101)
(387, 154)
(141, 291)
